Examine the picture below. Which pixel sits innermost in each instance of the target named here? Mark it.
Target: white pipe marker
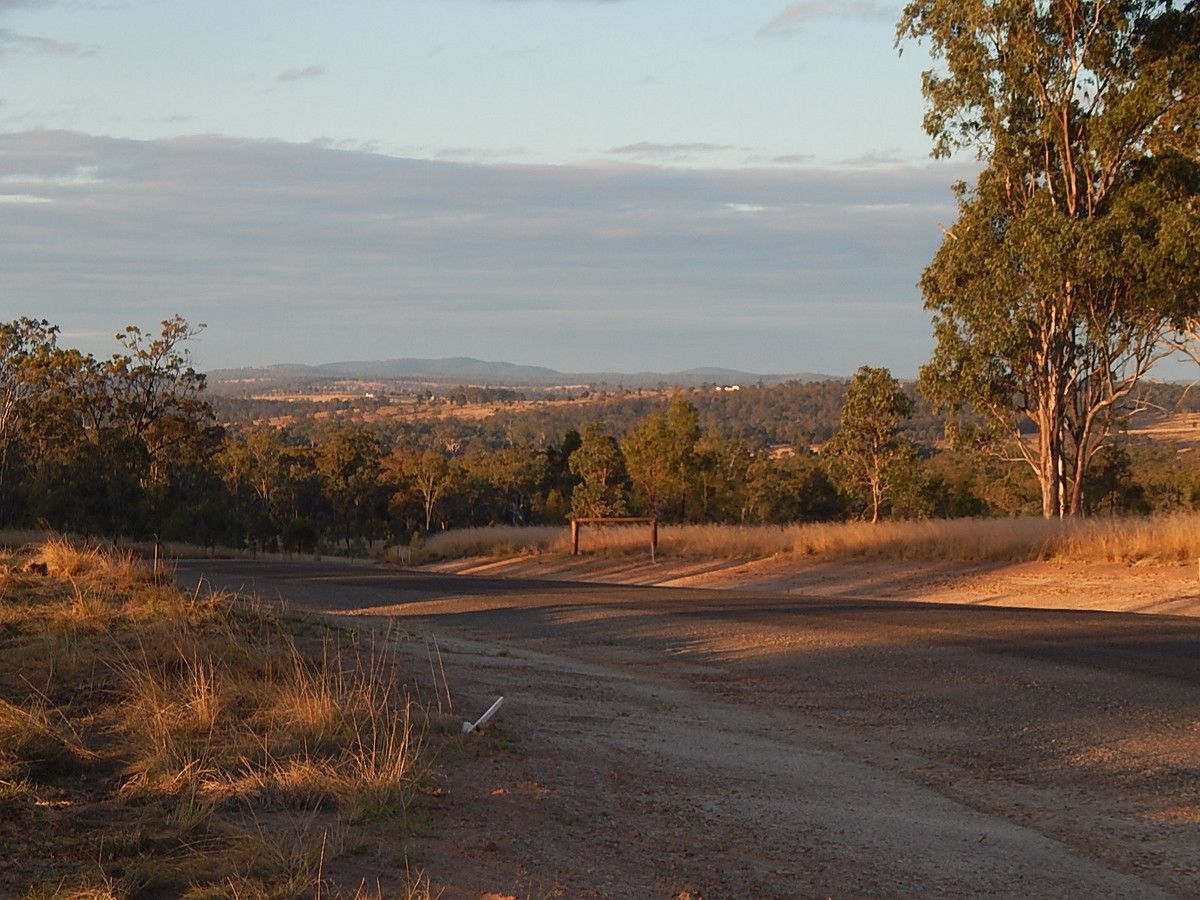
(485, 718)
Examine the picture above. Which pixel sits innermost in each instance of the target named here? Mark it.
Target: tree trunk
(1051, 450)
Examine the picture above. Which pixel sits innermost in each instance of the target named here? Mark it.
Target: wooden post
(574, 537)
(653, 539)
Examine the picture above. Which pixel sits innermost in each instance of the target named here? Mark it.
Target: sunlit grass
(199, 715)
(1163, 538)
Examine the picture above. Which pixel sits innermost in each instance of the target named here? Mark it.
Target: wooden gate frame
(652, 521)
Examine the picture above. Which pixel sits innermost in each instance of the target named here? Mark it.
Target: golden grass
(497, 540)
(85, 887)
(64, 558)
(30, 540)
(1172, 538)
(185, 719)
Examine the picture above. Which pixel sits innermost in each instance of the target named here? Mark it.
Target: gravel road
(661, 742)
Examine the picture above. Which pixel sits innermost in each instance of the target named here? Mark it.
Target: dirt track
(662, 741)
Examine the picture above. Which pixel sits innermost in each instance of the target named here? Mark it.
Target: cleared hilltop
(467, 370)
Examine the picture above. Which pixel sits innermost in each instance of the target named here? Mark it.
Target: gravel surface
(668, 742)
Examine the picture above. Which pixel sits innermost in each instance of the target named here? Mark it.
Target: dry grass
(499, 540)
(64, 558)
(29, 540)
(31, 740)
(202, 742)
(84, 887)
(1164, 539)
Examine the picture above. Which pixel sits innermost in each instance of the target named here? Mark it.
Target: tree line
(131, 447)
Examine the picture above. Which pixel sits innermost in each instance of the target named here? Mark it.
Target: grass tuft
(31, 741)
(84, 887)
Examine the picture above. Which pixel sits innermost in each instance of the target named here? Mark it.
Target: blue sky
(617, 185)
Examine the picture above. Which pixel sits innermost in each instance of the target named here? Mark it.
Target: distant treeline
(794, 414)
(132, 446)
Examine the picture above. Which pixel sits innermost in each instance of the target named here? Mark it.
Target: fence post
(574, 538)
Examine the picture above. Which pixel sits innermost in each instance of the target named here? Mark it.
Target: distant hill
(466, 370)
(455, 367)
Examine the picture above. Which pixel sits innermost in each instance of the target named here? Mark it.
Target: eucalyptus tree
(660, 453)
(514, 476)
(1077, 250)
(791, 489)
(350, 466)
(423, 474)
(600, 466)
(156, 394)
(867, 454)
(27, 347)
(254, 468)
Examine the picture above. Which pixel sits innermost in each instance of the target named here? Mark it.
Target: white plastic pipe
(485, 718)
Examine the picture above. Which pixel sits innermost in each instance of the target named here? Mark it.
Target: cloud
(792, 159)
(297, 251)
(80, 175)
(794, 18)
(23, 198)
(480, 154)
(889, 157)
(360, 146)
(668, 152)
(11, 42)
(301, 74)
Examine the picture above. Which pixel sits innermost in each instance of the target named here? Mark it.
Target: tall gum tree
(1077, 251)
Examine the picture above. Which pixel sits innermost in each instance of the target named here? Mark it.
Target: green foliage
(1078, 248)
(27, 349)
(661, 456)
(867, 456)
(1111, 488)
(515, 474)
(419, 478)
(349, 464)
(791, 489)
(600, 466)
(100, 447)
(300, 536)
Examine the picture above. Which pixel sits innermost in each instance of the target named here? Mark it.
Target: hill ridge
(466, 368)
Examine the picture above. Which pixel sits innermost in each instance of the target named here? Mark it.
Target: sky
(591, 185)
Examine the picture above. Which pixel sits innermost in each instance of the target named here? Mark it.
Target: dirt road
(665, 742)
